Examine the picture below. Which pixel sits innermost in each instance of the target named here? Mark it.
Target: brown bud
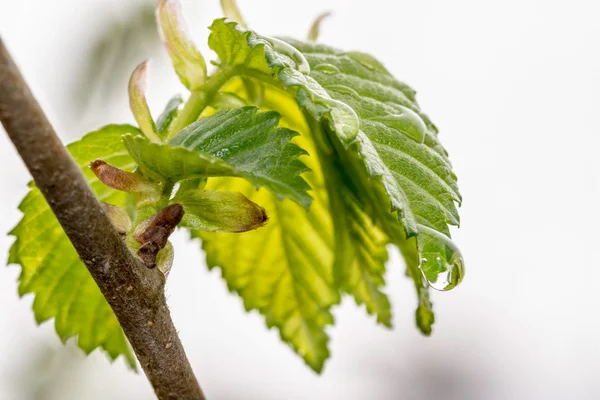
(148, 253)
(153, 233)
(119, 179)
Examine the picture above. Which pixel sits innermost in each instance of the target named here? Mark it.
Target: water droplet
(406, 121)
(329, 69)
(344, 89)
(290, 51)
(442, 263)
(366, 60)
(344, 119)
(222, 153)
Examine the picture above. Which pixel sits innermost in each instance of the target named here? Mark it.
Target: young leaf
(251, 142)
(50, 267)
(217, 211)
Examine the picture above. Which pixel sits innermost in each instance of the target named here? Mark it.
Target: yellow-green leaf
(50, 267)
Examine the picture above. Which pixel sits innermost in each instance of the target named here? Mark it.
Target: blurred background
(514, 88)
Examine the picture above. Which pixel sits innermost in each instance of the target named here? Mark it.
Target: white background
(513, 86)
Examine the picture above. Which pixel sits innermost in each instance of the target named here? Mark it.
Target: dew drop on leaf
(222, 153)
(344, 118)
(344, 89)
(328, 69)
(406, 121)
(290, 51)
(442, 263)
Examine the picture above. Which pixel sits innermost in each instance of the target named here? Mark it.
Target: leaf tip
(315, 29)
(187, 60)
(138, 103)
(232, 11)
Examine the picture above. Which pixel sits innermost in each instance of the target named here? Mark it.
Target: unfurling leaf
(187, 59)
(138, 103)
(217, 211)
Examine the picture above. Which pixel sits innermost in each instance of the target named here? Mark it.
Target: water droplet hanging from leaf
(442, 263)
(406, 121)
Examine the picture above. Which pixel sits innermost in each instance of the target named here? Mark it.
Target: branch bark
(135, 293)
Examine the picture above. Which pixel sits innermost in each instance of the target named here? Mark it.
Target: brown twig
(135, 293)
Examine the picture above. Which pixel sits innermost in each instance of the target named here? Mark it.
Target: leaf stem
(200, 99)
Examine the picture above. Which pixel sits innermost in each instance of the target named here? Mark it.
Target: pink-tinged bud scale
(118, 179)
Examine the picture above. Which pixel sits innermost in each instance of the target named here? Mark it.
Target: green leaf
(50, 267)
(283, 269)
(217, 211)
(396, 142)
(369, 122)
(251, 142)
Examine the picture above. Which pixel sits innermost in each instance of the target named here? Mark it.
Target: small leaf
(217, 211)
(251, 142)
(187, 59)
(50, 266)
(138, 103)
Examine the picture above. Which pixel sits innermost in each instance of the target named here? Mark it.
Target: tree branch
(135, 293)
